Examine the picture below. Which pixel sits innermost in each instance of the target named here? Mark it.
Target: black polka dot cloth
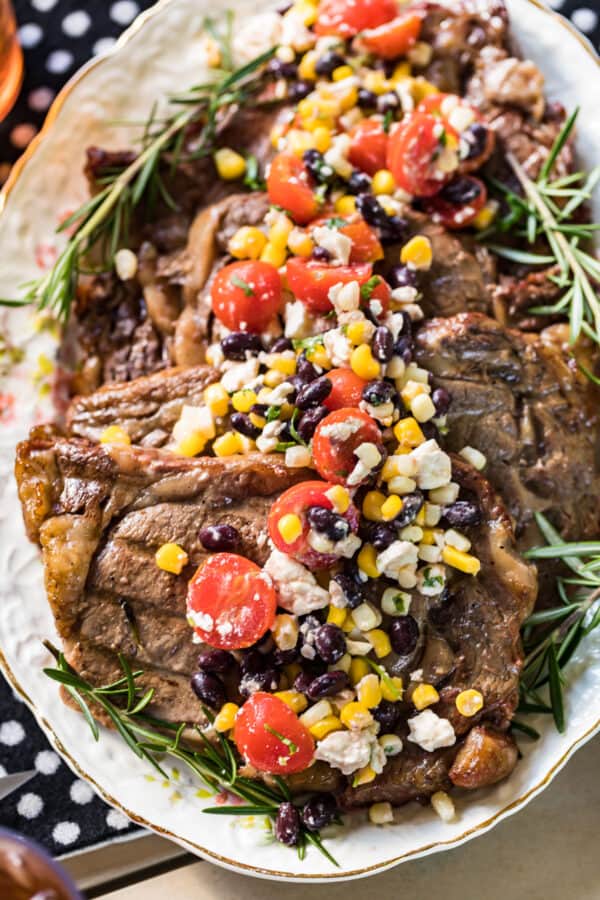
(58, 36)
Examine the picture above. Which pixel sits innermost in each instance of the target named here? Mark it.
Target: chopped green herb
(252, 178)
(239, 282)
(366, 289)
(387, 121)
(336, 222)
(309, 343)
(292, 747)
(273, 413)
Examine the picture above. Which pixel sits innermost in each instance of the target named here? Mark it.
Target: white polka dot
(116, 819)
(66, 832)
(81, 792)
(40, 99)
(2, 771)
(11, 732)
(30, 34)
(103, 44)
(556, 4)
(59, 61)
(585, 19)
(124, 11)
(43, 5)
(76, 23)
(47, 762)
(30, 806)
(21, 136)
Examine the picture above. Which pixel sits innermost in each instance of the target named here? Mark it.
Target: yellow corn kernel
(257, 420)
(428, 536)
(380, 641)
(276, 134)
(225, 718)
(401, 72)
(363, 364)
(114, 434)
(391, 508)
(392, 689)
(420, 517)
(376, 82)
(279, 232)
(244, 400)
(368, 691)
(171, 558)
(349, 623)
(417, 252)
(290, 527)
(372, 506)
(364, 776)
(299, 142)
(307, 12)
(346, 205)
(342, 72)
(300, 243)
(247, 243)
(325, 726)
(460, 560)
(294, 699)
(383, 182)
(274, 254)
(349, 99)
(246, 444)
(230, 165)
(340, 498)
(356, 332)
(356, 716)
(367, 561)
(272, 378)
(469, 702)
(217, 399)
(336, 616)
(485, 216)
(421, 88)
(191, 444)
(424, 695)
(285, 364)
(227, 444)
(306, 68)
(408, 432)
(318, 356)
(359, 669)
(322, 138)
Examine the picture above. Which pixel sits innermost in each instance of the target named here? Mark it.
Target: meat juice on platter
(333, 386)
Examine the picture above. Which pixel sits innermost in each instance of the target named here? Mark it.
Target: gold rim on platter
(233, 864)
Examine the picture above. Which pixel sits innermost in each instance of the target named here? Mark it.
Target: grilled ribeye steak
(146, 408)
(480, 621)
(99, 517)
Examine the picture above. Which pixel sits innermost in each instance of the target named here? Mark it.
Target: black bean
(352, 591)
(287, 824)
(388, 102)
(309, 421)
(367, 99)
(328, 62)
(327, 684)
(302, 682)
(235, 345)
(327, 522)
(280, 344)
(259, 409)
(371, 210)
(430, 431)
(383, 344)
(260, 681)
(387, 714)
(378, 392)
(402, 276)
(241, 422)
(476, 137)
(382, 536)
(394, 230)
(285, 657)
(330, 643)
(403, 348)
(298, 90)
(411, 504)
(314, 393)
(305, 369)
(253, 662)
(320, 170)
(320, 811)
(220, 538)
(279, 69)
(462, 513)
(461, 190)
(321, 254)
(359, 183)
(404, 634)
(213, 660)
(441, 400)
(208, 688)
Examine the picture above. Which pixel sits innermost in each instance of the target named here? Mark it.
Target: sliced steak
(147, 408)
(480, 622)
(99, 517)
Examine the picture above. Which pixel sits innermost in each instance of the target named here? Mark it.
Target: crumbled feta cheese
(431, 580)
(345, 297)
(434, 469)
(369, 458)
(395, 557)
(416, 675)
(298, 457)
(337, 155)
(383, 413)
(351, 750)
(194, 419)
(215, 356)
(279, 394)
(430, 731)
(341, 431)
(339, 348)
(403, 294)
(200, 620)
(338, 245)
(297, 320)
(297, 588)
(295, 33)
(269, 437)
(338, 597)
(345, 547)
(238, 376)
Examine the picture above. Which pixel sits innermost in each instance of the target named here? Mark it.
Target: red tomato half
(246, 295)
(271, 736)
(297, 500)
(458, 203)
(334, 455)
(290, 186)
(348, 17)
(368, 147)
(233, 601)
(479, 139)
(394, 38)
(310, 280)
(414, 146)
(346, 391)
(366, 246)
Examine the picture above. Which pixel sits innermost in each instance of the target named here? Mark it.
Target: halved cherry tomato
(290, 186)
(368, 146)
(477, 140)
(346, 391)
(366, 246)
(381, 292)
(311, 280)
(414, 146)
(394, 38)
(232, 601)
(348, 17)
(269, 734)
(336, 438)
(246, 295)
(458, 203)
(297, 500)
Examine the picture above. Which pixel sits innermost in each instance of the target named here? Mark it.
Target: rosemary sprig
(551, 636)
(151, 738)
(102, 223)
